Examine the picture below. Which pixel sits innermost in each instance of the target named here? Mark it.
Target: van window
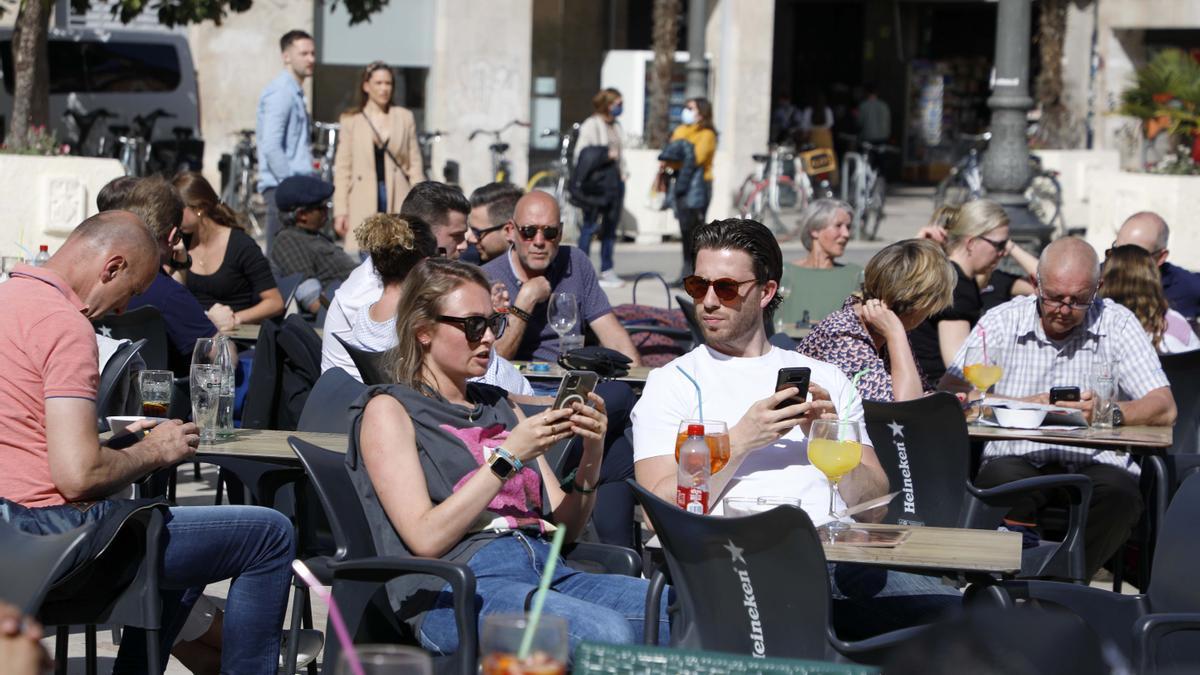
(104, 67)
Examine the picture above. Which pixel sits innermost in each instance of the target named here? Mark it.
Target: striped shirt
(1033, 363)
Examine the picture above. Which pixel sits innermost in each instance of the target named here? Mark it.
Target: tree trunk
(1056, 129)
(666, 37)
(31, 86)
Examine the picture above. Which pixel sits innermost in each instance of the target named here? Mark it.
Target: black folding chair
(768, 570)
(287, 288)
(32, 562)
(924, 449)
(115, 372)
(1156, 630)
(689, 313)
(144, 322)
(369, 364)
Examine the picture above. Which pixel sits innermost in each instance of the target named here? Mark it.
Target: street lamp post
(697, 68)
(1006, 169)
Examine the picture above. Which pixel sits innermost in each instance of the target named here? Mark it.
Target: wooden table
(1139, 439)
(556, 372)
(249, 332)
(937, 548)
(944, 549)
(268, 444)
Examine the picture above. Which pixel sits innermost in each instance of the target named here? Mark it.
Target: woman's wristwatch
(504, 464)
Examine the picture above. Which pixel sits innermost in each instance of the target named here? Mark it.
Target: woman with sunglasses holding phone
(378, 157)
(452, 469)
(976, 239)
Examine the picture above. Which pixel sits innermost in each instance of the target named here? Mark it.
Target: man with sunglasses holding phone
(1058, 337)
(536, 266)
(1149, 231)
(492, 208)
(732, 378)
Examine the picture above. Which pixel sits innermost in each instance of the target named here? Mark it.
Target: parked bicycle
(324, 148)
(768, 191)
(501, 166)
(965, 182)
(81, 125)
(553, 177)
(425, 140)
(239, 172)
(864, 187)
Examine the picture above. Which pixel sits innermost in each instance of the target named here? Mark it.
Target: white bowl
(739, 507)
(1019, 419)
(119, 423)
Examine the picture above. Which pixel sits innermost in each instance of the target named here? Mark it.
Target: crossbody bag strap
(382, 144)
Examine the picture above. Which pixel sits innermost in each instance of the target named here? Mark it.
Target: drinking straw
(339, 626)
(539, 599)
(853, 387)
(983, 338)
(699, 397)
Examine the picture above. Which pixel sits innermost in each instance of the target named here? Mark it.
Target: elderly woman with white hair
(824, 229)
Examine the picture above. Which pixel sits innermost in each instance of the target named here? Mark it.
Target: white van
(129, 73)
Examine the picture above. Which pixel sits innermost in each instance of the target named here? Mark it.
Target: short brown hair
(604, 99)
(912, 276)
(155, 201)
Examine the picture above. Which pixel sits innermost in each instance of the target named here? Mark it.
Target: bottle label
(692, 500)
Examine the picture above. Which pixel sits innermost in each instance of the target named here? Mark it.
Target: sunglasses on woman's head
(475, 326)
(726, 288)
(528, 232)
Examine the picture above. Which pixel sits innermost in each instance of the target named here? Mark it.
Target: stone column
(697, 69)
(1006, 171)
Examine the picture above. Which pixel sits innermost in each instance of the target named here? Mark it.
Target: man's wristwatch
(177, 265)
(504, 464)
(1118, 416)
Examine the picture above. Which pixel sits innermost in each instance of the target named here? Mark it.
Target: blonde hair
(912, 276)
(973, 219)
(420, 304)
(1131, 278)
(944, 216)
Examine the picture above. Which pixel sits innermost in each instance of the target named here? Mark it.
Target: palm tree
(665, 38)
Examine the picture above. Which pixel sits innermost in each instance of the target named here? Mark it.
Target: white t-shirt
(362, 287)
(730, 386)
(1178, 337)
(377, 336)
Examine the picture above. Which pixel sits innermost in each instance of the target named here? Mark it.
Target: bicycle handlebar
(496, 133)
(92, 116)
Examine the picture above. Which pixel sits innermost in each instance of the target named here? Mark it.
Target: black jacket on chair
(596, 180)
(287, 363)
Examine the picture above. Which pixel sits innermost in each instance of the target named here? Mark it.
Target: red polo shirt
(47, 350)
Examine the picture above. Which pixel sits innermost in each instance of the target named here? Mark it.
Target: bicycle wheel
(873, 209)
(744, 194)
(1045, 200)
(545, 180)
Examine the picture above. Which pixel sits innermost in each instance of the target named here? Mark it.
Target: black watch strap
(177, 265)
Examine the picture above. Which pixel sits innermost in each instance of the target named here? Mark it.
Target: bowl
(739, 507)
(1019, 419)
(119, 423)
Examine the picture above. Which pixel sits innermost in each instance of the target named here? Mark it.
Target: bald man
(1059, 337)
(536, 266)
(55, 475)
(1182, 288)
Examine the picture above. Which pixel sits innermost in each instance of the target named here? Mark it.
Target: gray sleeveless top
(453, 442)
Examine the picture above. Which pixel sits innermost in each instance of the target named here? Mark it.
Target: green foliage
(173, 13)
(1168, 86)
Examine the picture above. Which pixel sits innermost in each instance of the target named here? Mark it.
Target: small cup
(500, 641)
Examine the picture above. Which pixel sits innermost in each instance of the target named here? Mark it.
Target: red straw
(983, 337)
(339, 626)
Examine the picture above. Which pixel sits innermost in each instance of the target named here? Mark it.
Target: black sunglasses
(480, 232)
(726, 288)
(475, 326)
(1000, 246)
(528, 232)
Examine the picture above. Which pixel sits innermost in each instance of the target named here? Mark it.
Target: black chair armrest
(658, 584)
(1079, 491)
(614, 559)
(1149, 631)
(1109, 614)
(461, 579)
(874, 650)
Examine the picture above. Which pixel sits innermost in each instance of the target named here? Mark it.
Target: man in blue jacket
(282, 128)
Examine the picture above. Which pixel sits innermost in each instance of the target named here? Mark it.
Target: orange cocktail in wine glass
(716, 435)
(982, 370)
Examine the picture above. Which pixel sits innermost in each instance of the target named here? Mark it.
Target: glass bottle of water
(213, 364)
(228, 371)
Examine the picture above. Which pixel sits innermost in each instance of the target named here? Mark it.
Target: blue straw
(699, 397)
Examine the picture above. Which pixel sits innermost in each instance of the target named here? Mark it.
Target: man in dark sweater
(1182, 287)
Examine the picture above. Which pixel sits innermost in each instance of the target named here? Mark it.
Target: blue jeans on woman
(605, 608)
(605, 220)
(249, 544)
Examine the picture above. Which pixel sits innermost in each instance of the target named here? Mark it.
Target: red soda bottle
(695, 469)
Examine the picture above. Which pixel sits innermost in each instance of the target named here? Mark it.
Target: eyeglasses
(475, 326)
(1054, 304)
(1000, 246)
(726, 288)
(481, 232)
(528, 232)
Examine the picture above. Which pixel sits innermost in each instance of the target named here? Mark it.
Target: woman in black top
(228, 267)
(976, 240)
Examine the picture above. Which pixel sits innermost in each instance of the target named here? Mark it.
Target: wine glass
(982, 370)
(835, 448)
(385, 659)
(563, 314)
(212, 383)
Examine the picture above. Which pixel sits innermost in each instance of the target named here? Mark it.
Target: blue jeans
(869, 601)
(606, 221)
(605, 608)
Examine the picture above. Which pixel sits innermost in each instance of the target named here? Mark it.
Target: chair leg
(196, 470)
(116, 635)
(1118, 568)
(89, 649)
(220, 487)
(153, 659)
(299, 597)
(61, 636)
(308, 623)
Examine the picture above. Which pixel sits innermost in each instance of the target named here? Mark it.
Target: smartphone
(793, 377)
(1063, 394)
(575, 386)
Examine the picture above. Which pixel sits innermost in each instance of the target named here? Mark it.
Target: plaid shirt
(296, 249)
(1033, 364)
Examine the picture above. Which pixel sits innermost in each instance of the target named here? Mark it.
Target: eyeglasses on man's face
(529, 232)
(475, 326)
(1055, 304)
(481, 232)
(725, 287)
